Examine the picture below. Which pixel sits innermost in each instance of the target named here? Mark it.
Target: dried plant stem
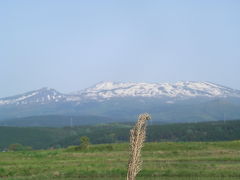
(137, 138)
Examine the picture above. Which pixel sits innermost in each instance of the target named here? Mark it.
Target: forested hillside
(41, 138)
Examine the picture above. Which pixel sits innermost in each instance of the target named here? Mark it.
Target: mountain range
(184, 101)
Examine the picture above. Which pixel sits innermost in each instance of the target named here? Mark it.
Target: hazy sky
(72, 44)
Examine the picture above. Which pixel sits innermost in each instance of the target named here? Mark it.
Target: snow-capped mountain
(166, 102)
(107, 90)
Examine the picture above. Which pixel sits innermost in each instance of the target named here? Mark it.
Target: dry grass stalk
(137, 138)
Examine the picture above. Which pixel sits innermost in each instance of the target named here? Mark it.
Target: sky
(70, 45)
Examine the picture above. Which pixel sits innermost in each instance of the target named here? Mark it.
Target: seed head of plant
(137, 138)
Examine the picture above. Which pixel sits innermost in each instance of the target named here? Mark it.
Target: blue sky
(71, 45)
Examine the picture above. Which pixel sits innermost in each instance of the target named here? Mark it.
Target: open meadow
(164, 161)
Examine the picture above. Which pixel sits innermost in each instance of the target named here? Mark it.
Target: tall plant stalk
(137, 138)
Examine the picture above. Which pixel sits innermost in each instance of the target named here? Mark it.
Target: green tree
(19, 147)
(15, 147)
(84, 142)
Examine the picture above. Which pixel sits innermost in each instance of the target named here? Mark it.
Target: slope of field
(42, 138)
(167, 161)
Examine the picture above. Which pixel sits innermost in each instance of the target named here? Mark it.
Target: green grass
(164, 161)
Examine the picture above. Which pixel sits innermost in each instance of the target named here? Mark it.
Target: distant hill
(57, 121)
(42, 137)
(166, 102)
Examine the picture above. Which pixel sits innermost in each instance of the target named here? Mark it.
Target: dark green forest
(44, 137)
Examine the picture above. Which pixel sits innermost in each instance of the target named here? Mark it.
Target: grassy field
(164, 161)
